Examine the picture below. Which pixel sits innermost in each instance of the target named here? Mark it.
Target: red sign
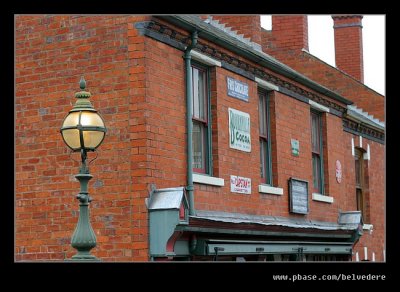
(240, 184)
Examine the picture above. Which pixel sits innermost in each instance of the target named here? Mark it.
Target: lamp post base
(83, 258)
(84, 238)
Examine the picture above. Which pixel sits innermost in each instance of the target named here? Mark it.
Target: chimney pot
(290, 32)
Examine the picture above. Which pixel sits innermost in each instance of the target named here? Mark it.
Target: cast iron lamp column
(83, 130)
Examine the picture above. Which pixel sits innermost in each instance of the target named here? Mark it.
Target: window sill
(368, 227)
(265, 189)
(208, 180)
(322, 198)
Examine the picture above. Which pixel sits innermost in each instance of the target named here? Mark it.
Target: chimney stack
(348, 45)
(290, 32)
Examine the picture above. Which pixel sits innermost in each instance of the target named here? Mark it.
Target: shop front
(222, 236)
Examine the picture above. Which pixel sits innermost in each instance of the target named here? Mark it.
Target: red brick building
(286, 152)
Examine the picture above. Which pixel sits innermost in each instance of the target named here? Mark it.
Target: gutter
(189, 123)
(190, 23)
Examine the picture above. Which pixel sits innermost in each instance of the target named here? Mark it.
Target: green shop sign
(295, 147)
(239, 130)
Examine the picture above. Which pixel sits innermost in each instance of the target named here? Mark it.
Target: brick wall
(230, 161)
(333, 136)
(52, 52)
(165, 114)
(290, 119)
(374, 241)
(140, 140)
(362, 96)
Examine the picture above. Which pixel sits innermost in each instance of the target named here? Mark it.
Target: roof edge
(340, 71)
(206, 31)
(358, 114)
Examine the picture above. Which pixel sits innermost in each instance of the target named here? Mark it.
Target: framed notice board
(298, 196)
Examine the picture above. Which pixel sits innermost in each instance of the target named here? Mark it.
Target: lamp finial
(82, 83)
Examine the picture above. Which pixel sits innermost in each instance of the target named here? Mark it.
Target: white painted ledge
(318, 106)
(270, 190)
(265, 84)
(368, 227)
(208, 180)
(367, 155)
(322, 198)
(204, 59)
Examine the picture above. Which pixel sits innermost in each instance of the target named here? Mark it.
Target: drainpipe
(189, 124)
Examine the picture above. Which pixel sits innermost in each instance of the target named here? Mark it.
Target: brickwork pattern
(52, 52)
(349, 45)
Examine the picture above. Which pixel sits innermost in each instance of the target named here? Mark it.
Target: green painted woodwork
(164, 206)
(162, 225)
(262, 233)
(232, 247)
(181, 248)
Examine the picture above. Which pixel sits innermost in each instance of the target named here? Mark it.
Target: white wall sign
(338, 171)
(298, 196)
(240, 184)
(239, 130)
(237, 89)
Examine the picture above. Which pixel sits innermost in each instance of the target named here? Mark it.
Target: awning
(238, 247)
(346, 220)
